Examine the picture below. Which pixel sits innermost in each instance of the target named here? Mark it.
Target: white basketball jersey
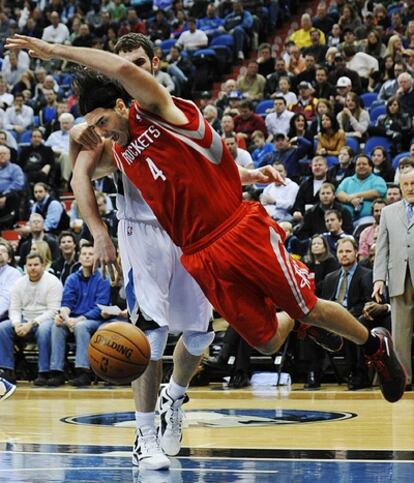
(130, 203)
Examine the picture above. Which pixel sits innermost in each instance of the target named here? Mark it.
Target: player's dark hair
(96, 90)
(132, 41)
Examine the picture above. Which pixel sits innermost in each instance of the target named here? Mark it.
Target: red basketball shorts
(245, 271)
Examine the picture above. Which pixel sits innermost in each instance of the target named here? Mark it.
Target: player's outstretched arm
(137, 82)
(84, 168)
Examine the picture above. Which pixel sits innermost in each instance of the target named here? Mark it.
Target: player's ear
(120, 106)
(155, 62)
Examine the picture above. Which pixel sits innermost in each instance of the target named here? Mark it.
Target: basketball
(119, 352)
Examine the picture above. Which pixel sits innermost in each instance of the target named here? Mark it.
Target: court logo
(222, 418)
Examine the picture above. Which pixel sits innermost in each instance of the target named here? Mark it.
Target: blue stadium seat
(375, 141)
(353, 143)
(332, 161)
(368, 98)
(262, 106)
(224, 39)
(167, 44)
(26, 137)
(398, 158)
(376, 112)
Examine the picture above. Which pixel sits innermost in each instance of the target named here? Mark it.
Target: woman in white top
(353, 119)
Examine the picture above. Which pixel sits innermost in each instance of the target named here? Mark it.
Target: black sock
(371, 345)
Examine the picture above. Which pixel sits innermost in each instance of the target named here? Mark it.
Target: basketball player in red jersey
(233, 249)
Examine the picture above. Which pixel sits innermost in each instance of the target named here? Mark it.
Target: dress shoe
(358, 381)
(239, 379)
(57, 379)
(312, 381)
(42, 379)
(82, 380)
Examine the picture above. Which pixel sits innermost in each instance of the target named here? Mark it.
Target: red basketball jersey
(185, 173)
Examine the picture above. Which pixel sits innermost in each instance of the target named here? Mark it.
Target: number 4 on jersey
(155, 171)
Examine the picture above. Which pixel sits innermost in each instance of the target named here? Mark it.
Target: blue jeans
(83, 331)
(42, 336)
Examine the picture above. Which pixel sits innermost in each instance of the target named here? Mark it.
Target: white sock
(144, 419)
(174, 390)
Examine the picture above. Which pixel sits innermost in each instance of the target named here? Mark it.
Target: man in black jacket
(67, 263)
(37, 160)
(351, 286)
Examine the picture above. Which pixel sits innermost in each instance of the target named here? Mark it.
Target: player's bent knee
(197, 342)
(157, 339)
(272, 346)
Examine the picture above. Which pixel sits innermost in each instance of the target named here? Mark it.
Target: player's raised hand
(105, 257)
(37, 48)
(266, 175)
(85, 135)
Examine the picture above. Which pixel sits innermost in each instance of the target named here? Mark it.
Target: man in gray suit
(394, 263)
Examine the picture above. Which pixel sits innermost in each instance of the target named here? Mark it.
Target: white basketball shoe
(147, 452)
(6, 389)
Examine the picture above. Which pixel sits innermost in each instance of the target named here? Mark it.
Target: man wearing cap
(343, 86)
(341, 70)
(306, 104)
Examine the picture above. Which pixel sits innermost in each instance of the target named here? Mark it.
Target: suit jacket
(394, 248)
(359, 291)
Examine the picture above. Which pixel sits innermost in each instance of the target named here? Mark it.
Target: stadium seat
(376, 112)
(207, 69)
(398, 158)
(332, 161)
(224, 39)
(353, 143)
(375, 141)
(224, 57)
(262, 106)
(368, 98)
(167, 44)
(26, 137)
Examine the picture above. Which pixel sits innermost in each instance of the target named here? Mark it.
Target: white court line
(232, 458)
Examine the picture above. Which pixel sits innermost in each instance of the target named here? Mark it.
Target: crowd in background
(330, 106)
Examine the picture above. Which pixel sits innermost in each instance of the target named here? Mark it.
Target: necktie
(410, 212)
(342, 288)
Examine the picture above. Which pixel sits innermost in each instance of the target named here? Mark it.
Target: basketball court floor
(261, 434)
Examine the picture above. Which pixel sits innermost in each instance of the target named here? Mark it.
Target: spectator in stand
(37, 160)
(306, 104)
(32, 28)
(36, 232)
(247, 121)
(108, 216)
(67, 263)
(164, 78)
(366, 65)
(302, 36)
(265, 60)
(358, 191)
(211, 23)
(118, 10)
(395, 47)
(159, 28)
(389, 87)
(241, 157)
(19, 117)
(316, 49)
(309, 73)
(57, 32)
(79, 314)
(295, 62)
(299, 129)
(322, 88)
(373, 45)
(322, 20)
(59, 142)
(367, 26)
(289, 153)
(251, 84)
(181, 70)
(397, 26)
(345, 167)
(193, 38)
(84, 37)
(238, 23)
(323, 106)
(261, 147)
(279, 120)
(227, 127)
(8, 276)
(349, 18)
(330, 139)
(334, 39)
(343, 87)
(51, 210)
(132, 23)
(6, 139)
(314, 219)
(353, 119)
(308, 194)
(284, 90)
(349, 41)
(382, 165)
(211, 114)
(11, 183)
(405, 93)
(333, 223)
(272, 80)
(49, 112)
(6, 99)
(43, 249)
(393, 194)
(15, 62)
(35, 299)
(340, 70)
(369, 234)
(277, 199)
